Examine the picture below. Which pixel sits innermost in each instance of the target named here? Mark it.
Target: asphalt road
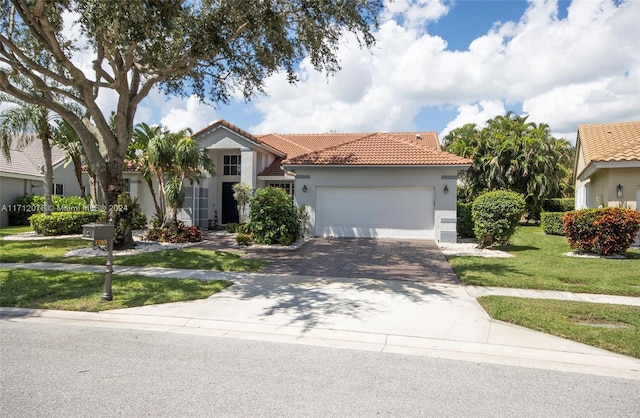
(70, 371)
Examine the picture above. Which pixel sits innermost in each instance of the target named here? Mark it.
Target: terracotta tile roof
(27, 160)
(380, 149)
(610, 142)
(274, 169)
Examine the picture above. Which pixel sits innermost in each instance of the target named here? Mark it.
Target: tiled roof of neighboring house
(609, 142)
(27, 160)
(381, 149)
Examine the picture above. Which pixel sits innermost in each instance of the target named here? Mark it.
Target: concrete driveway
(389, 259)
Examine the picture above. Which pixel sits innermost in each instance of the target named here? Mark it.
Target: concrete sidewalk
(391, 316)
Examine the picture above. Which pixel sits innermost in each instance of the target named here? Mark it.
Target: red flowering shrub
(601, 231)
(180, 234)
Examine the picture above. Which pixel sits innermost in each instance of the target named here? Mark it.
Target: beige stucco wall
(603, 185)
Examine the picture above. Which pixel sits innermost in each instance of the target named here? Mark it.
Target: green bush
(558, 205)
(496, 216)
(602, 231)
(552, 223)
(465, 222)
(62, 223)
(273, 218)
(244, 239)
(231, 227)
(25, 206)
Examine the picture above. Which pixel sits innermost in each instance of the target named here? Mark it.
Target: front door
(229, 204)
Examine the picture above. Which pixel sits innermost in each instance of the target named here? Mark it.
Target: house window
(127, 185)
(231, 166)
(58, 189)
(288, 187)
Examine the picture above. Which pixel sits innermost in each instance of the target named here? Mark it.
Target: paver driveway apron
(412, 260)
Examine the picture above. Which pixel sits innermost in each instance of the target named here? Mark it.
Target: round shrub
(496, 216)
(273, 218)
(602, 231)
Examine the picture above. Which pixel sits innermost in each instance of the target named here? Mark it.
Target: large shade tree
(209, 48)
(514, 154)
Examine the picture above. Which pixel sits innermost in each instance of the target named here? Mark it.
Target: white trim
(277, 178)
(599, 165)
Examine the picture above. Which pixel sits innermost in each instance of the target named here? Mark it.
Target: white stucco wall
(436, 177)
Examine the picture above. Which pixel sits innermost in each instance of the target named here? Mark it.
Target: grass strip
(53, 250)
(73, 291)
(614, 328)
(540, 263)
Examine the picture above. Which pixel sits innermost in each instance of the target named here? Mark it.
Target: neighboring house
(607, 165)
(352, 184)
(24, 176)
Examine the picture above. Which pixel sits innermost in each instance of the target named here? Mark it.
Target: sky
(439, 64)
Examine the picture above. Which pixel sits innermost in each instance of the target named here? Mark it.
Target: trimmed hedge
(496, 215)
(558, 205)
(63, 223)
(25, 206)
(602, 231)
(551, 223)
(464, 222)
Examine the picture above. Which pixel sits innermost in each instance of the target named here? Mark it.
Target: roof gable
(28, 160)
(607, 143)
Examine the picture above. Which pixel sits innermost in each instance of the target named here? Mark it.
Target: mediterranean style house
(396, 185)
(607, 165)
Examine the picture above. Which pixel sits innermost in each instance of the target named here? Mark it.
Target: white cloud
(477, 113)
(181, 113)
(580, 69)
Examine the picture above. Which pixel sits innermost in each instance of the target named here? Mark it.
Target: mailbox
(97, 231)
(102, 232)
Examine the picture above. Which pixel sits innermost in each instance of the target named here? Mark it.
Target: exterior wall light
(446, 189)
(619, 191)
(304, 188)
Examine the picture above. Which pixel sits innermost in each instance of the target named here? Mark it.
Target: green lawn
(588, 323)
(53, 250)
(539, 263)
(73, 291)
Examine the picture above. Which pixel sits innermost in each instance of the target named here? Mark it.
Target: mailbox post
(102, 232)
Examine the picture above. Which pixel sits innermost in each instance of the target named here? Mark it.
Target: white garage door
(375, 212)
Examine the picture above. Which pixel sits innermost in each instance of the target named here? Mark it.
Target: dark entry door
(229, 204)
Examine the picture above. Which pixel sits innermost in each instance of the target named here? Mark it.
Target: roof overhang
(252, 140)
(22, 176)
(277, 178)
(458, 167)
(595, 166)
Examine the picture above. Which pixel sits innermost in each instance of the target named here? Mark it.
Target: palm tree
(138, 152)
(23, 123)
(176, 157)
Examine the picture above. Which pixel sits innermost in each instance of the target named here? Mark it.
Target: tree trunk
(48, 175)
(113, 186)
(77, 169)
